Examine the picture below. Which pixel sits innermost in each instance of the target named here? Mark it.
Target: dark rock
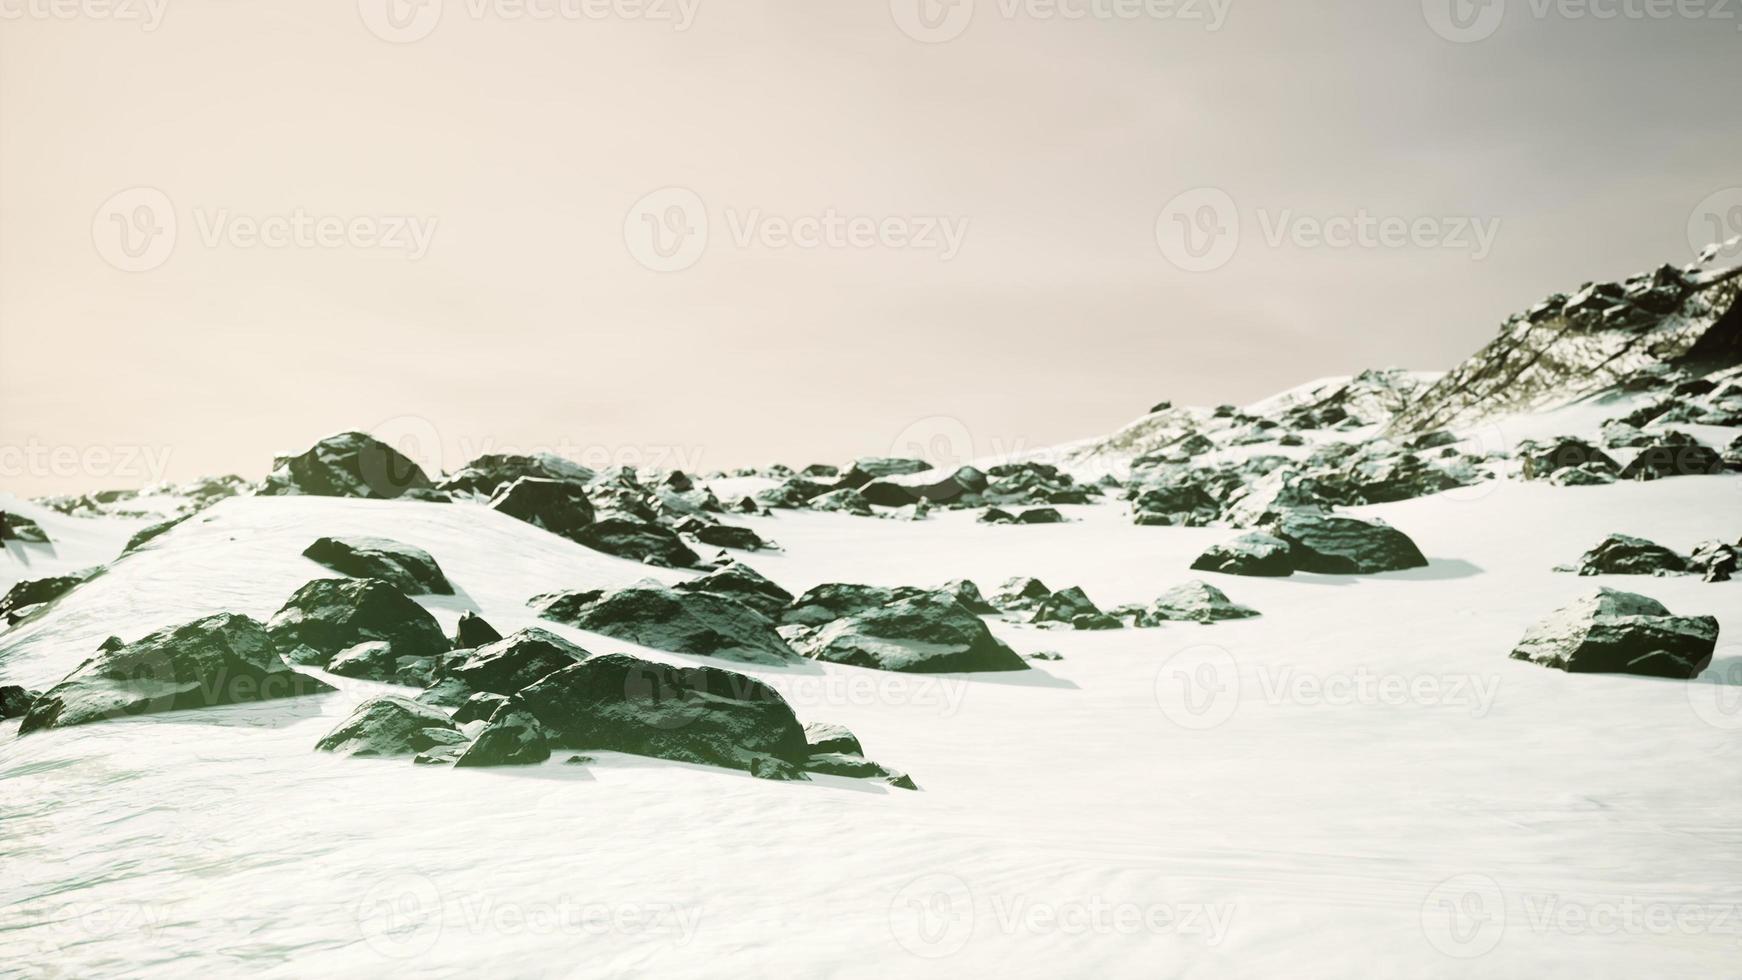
(520, 659)
(870, 468)
(390, 726)
(1040, 515)
(743, 583)
(329, 615)
(1195, 601)
(1334, 545)
(823, 737)
(821, 471)
(836, 600)
(1588, 475)
(1715, 561)
(850, 765)
(1096, 621)
(1542, 460)
(487, 474)
(409, 569)
(448, 692)
(640, 541)
(968, 594)
(472, 631)
(350, 464)
(479, 707)
(792, 493)
(723, 535)
(559, 506)
(845, 500)
(1021, 592)
(1659, 461)
(1174, 505)
(662, 618)
(703, 715)
(15, 701)
(219, 659)
(1255, 554)
(1611, 632)
(31, 592)
(899, 493)
(17, 527)
(1619, 554)
(1063, 606)
(145, 535)
(926, 633)
(994, 515)
(512, 738)
(373, 660)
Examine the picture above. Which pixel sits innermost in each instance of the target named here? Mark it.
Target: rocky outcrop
(350, 464)
(661, 618)
(1337, 545)
(17, 527)
(1620, 554)
(487, 474)
(33, 592)
(559, 506)
(743, 583)
(1197, 602)
(1658, 461)
(636, 540)
(925, 633)
(1541, 460)
(512, 738)
(327, 616)
(409, 569)
(16, 700)
(703, 715)
(835, 600)
(391, 726)
(219, 659)
(845, 500)
(509, 664)
(1612, 632)
(1255, 554)
(472, 631)
(1715, 561)
(1064, 606)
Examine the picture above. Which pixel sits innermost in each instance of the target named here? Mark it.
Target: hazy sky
(232, 227)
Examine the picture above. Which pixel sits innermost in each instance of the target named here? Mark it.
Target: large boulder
(391, 726)
(1064, 606)
(559, 506)
(1715, 561)
(845, 500)
(899, 492)
(743, 583)
(1613, 632)
(870, 468)
(1174, 504)
(1254, 554)
(1020, 592)
(473, 631)
(1660, 460)
(705, 715)
(350, 464)
(487, 474)
(510, 664)
(329, 615)
(925, 633)
(16, 700)
(1196, 601)
(1621, 554)
(1540, 460)
(836, 600)
(699, 623)
(1336, 545)
(642, 541)
(219, 659)
(512, 738)
(36, 591)
(407, 568)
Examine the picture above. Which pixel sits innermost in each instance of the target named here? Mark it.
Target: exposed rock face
(350, 464)
(512, 738)
(409, 569)
(845, 500)
(487, 474)
(1588, 475)
(835, 600)
(1335, 545)
(796, 491)
(1619, 554)
(507, 665)
(1064, 606)
(1570, 346)
(1255, 554)
(472, 631)
(1715, 561)
(723, 535)
(1021, 592)
(31, 592)
(17, 527)
(642, 541)
(373, 660)
(1612, 632)
(1171, 505)
(870, 468)
(559, 506)
(329, 615)
(900, 492)
(1541, 461)
(698, 623)
(826, 737)
(219, 659)
(926, 633)
(1658, 461)
(479, 707)
(1195, 601)
(391, 726)
(968, 594)
(705, 715)
(15, 701)
(1040, 515)
(743, 583)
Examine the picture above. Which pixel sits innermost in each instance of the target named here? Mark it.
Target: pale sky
(462, 254)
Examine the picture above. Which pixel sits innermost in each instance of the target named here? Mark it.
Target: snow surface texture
(1358, 782)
